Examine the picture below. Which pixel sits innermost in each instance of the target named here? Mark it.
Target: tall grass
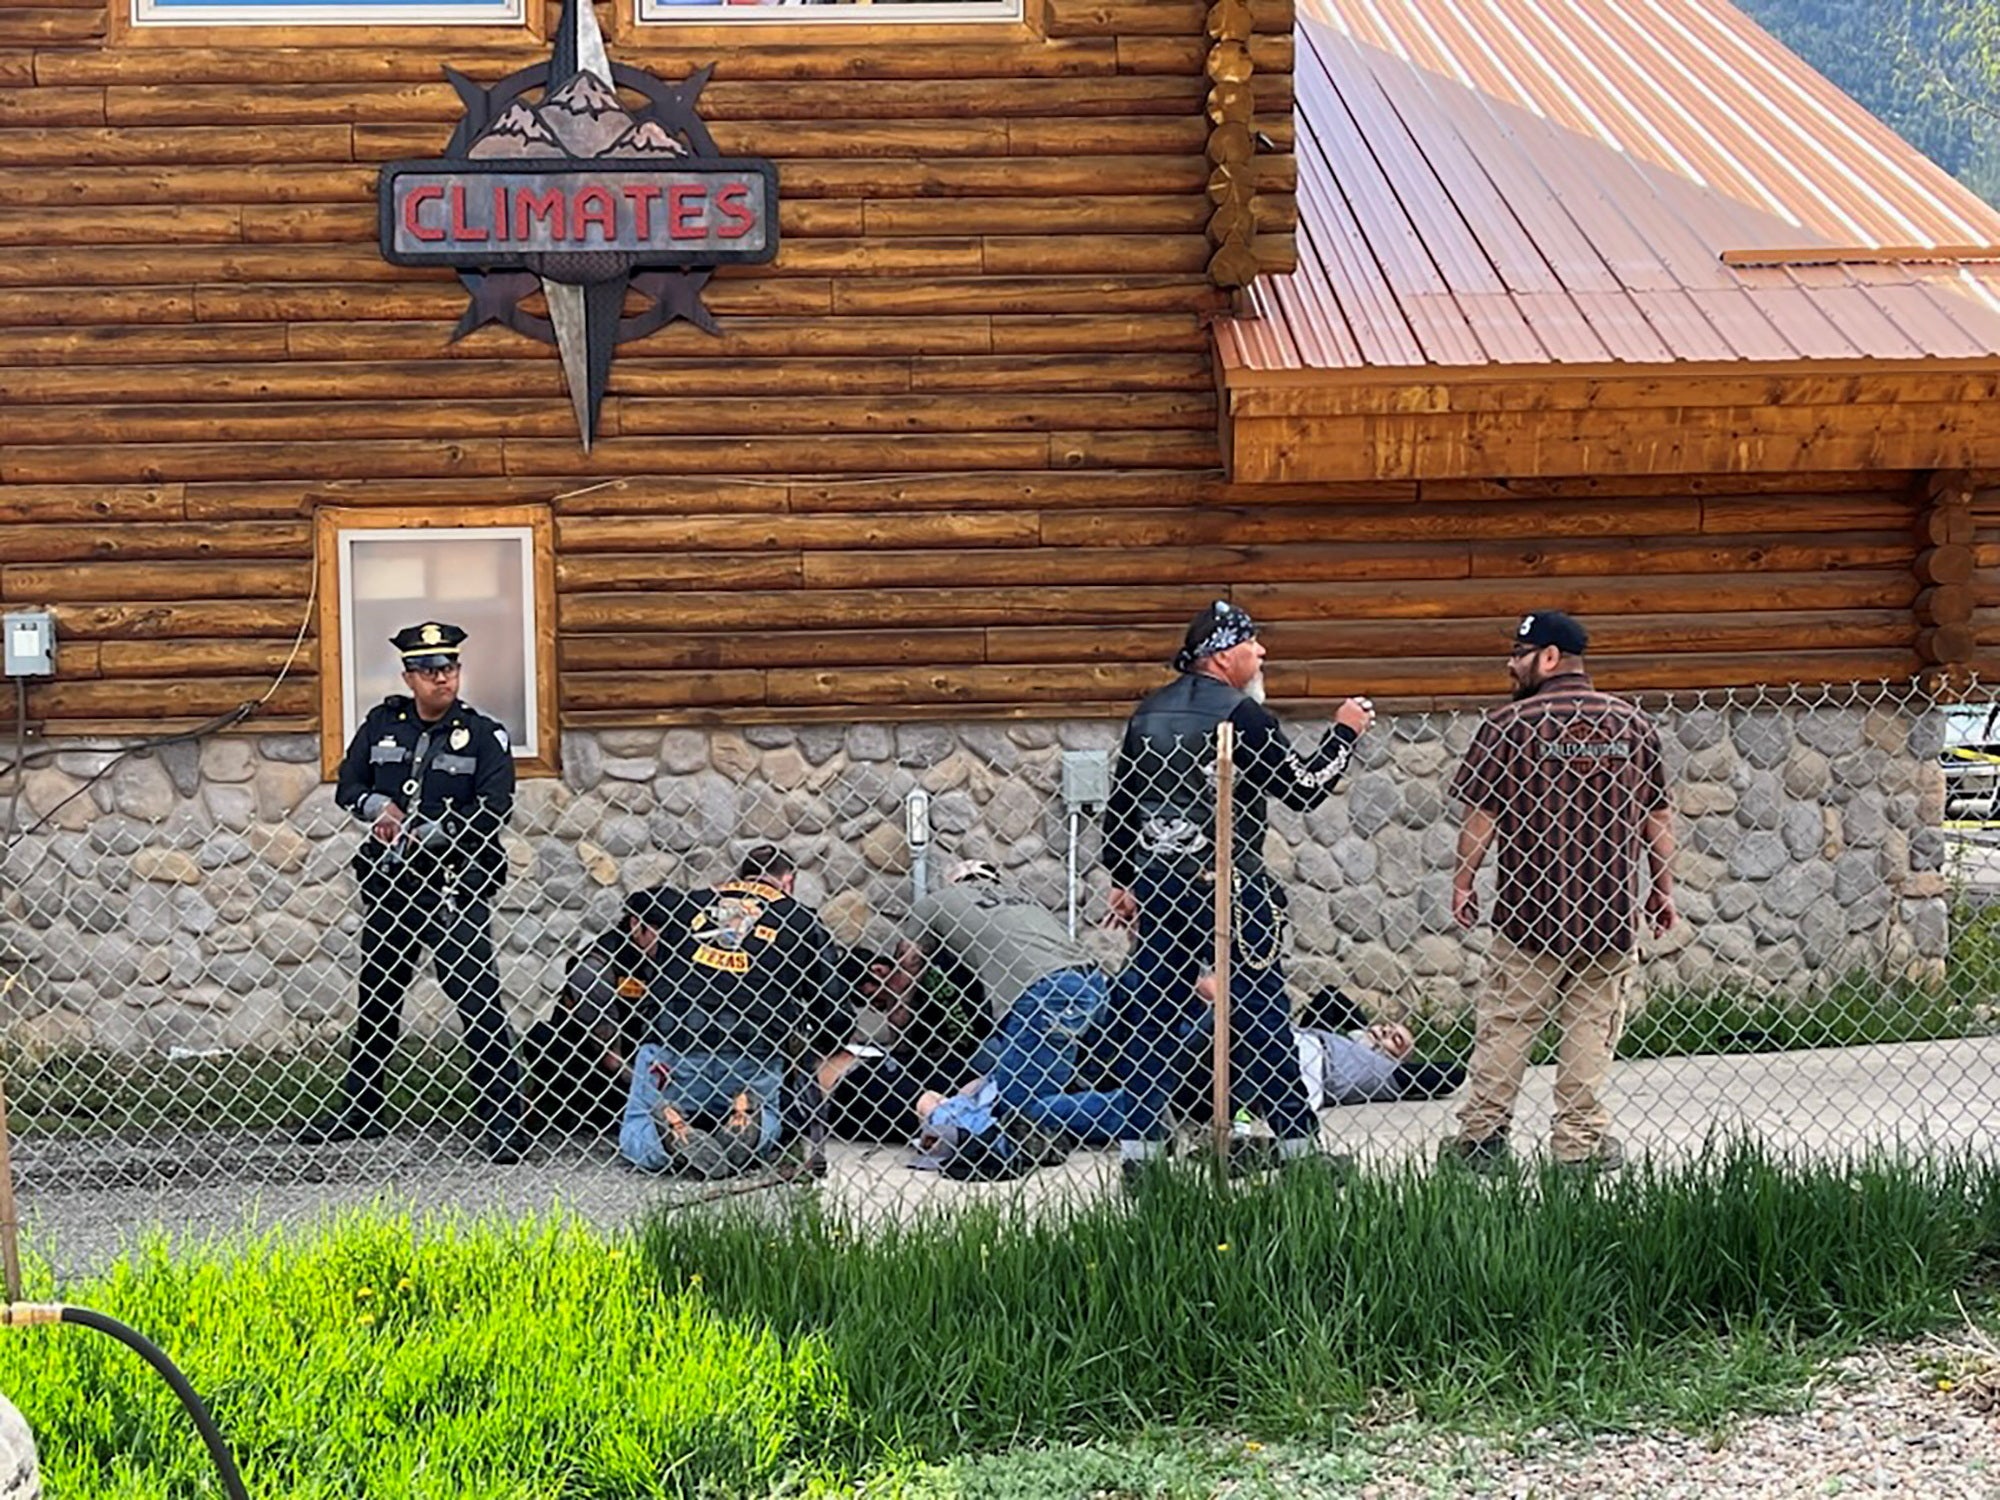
(800, 1351)
(468, 1361)
(87, 1093)
(1670, 1290)
(1854, 1010)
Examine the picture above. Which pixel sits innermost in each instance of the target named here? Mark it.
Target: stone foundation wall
(199, 898)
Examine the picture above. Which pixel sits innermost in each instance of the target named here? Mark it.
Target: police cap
(431, 644)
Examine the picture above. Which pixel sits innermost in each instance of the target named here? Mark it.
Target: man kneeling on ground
(579, 1060)
(748, 991)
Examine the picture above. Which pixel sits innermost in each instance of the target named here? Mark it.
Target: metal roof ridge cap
(1274, 380)
(1807, 255)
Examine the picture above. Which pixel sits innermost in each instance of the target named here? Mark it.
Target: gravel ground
(1918, 1420)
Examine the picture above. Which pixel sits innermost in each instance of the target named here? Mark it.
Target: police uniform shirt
(459, 771)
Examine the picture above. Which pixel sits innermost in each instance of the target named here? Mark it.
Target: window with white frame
(329, 12)
(496, 582)
(709, 12)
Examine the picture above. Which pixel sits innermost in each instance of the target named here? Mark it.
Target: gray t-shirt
(1343, 1069)
(1007, 940)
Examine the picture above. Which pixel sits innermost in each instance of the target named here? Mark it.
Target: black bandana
(1217, 628)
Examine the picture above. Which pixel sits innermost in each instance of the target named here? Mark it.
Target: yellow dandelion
(366, 1320)
(1253, 1446)
(1947, 1385)
(363, 1293)
(405, 1284)
(1224, 1246)
(615, 1255)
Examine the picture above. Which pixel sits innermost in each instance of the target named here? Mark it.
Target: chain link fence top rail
(875, 963)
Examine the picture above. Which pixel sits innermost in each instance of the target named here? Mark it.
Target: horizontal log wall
(1985, 586)
(1002, 592)
(995, 273)
(955, 454)
(823, 598)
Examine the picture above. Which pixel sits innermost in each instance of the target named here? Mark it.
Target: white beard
(1255, 692)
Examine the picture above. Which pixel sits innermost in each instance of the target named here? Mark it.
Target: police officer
(434, 780)
(1159, 846)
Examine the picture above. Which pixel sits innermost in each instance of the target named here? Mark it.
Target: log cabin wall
(994, 281)
(1686, 581)
(999, 255)
(1985, 586)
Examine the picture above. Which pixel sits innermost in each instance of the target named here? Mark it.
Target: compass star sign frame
(617, 216)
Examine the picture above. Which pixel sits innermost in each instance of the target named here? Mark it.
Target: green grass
(1853, 1011)
(472, 1361)
(78, 1093)
(1175, 1348)
(1680, 1291)
(1974, 971)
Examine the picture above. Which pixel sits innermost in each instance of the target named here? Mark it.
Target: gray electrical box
(29, 639)
(1086, 779)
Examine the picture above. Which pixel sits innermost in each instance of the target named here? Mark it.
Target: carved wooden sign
(577, 197)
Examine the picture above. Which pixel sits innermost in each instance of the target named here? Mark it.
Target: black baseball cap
(1551, 627)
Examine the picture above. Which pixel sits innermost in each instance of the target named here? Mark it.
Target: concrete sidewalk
(80, 1204)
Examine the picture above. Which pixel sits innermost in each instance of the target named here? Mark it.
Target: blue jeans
(1156, 1020)
(1034, 1052)
(698, 1084)
(1096, 1118)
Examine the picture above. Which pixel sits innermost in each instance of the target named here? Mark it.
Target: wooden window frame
(329, 522)
(421, 33)
(794, 28)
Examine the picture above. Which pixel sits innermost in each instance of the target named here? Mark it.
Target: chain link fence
(885, 964)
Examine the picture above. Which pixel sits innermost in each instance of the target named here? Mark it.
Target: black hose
(150, 1352)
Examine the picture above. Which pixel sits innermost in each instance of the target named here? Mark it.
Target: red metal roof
(1509, 182)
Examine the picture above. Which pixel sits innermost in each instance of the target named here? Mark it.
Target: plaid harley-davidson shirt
(1570, 775)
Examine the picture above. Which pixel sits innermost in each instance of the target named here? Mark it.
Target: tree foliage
(1929, 69)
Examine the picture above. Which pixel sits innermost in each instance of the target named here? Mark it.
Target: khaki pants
(1587, 996)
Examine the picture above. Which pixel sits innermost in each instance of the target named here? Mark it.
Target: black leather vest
(1167, 768)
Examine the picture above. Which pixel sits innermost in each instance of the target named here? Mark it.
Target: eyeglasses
(435, 674)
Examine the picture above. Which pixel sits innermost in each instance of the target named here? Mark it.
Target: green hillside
(1925, 67)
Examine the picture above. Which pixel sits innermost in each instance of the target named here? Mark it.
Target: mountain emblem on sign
(614, 214)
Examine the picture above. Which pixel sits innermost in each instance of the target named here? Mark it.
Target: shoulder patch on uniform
(499, 729)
